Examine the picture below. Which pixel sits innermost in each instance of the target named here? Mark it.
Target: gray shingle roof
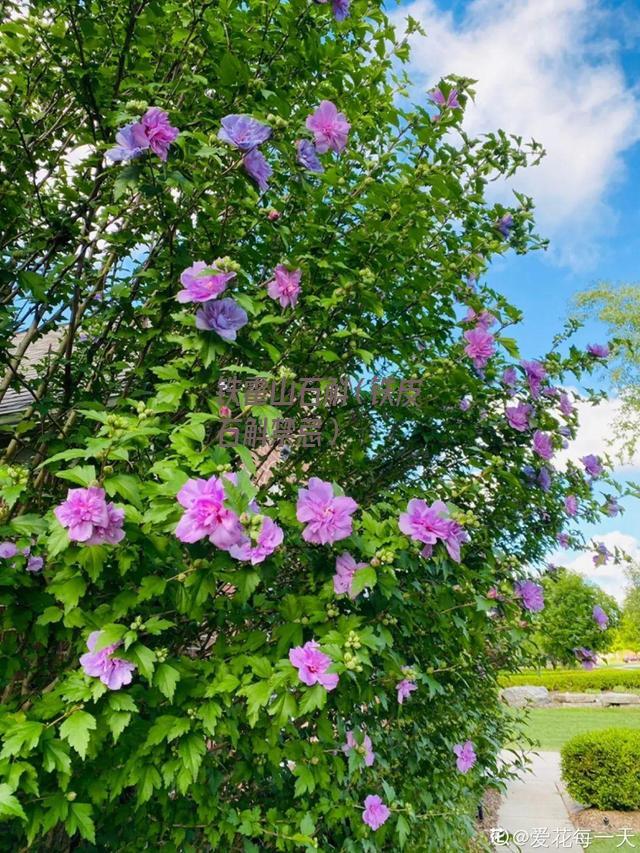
(15, 401)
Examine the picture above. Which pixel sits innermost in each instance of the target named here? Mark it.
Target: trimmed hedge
(575, 680)
(601, 768)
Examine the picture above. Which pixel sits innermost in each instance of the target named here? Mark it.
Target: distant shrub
(601, 768)
(577, 680)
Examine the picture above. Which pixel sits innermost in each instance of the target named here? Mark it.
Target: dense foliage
(576, 680)
(600, 768)
(200, 718)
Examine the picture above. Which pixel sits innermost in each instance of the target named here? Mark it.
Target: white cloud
(544, 70)
(609, 577)
(597, 434)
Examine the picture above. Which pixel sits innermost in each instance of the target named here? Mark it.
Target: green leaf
(314, 697)
(69, 590)
(144, 658)
(76, 731)
(9, 804)
(258, 696)
(191, 750)
(50, 614)
(126, 486)
(84, 475)
(365, 577)
(55, 756)
(92, 558)
(109, 635)
(29, 524)
(117, 721)
(80, 820)
(150, 587)
(19, 736)
(58, 539)
(402, 830)
(165, 679)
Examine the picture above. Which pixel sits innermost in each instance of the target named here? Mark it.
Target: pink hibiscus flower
(312, 665)
(327, 517)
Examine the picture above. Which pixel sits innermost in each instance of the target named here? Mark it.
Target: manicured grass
(552, 727)
(612, 845)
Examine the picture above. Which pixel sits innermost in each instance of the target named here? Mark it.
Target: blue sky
(566, 72)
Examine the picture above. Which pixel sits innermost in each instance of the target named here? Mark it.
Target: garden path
(533, 811)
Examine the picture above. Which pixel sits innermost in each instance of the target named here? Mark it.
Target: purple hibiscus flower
(206, 515)
(542, 445)
(7, 550)
(268, 540)
(375, 812)
(544, 479)
(612, 507)
(327, 516)
(465, 756)
(243, 131)
(366, 749)
(586, 657)
(566, 405)
(329, 127)
(602, 555)
(600, 617)
(89, 518)
(449, 101)
(131, 142)
(114, 672)
(285, 285)
(571, 505)
(312, 665)
(598, 350)
(404, 689)
(34, 564)
(480, 346)
(307, 157)
(256, 166)
(518, 416)
(159, 132)
(531, 595)
(505, 224)
(592, 465)
(535, 373)
(346, 568)
(223, 316)
(202, 281)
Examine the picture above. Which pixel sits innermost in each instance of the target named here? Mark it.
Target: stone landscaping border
(540, 697)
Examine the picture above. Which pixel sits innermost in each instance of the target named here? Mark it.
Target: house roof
(39, 350)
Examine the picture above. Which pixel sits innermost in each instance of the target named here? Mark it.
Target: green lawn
(552, 727)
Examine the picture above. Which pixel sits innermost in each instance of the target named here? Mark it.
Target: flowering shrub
(269, 210)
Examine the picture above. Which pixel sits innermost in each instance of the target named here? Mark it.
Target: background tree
(619, 308)
(187, 725)
(568, 622)
(628, 633)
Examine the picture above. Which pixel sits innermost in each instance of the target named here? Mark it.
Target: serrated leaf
(365, 577)
(76, 731)
(165, 679)
(79, 820)
(314, 697)
(126, 486)
(9, 804)
(49, 615)
(55, 756)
